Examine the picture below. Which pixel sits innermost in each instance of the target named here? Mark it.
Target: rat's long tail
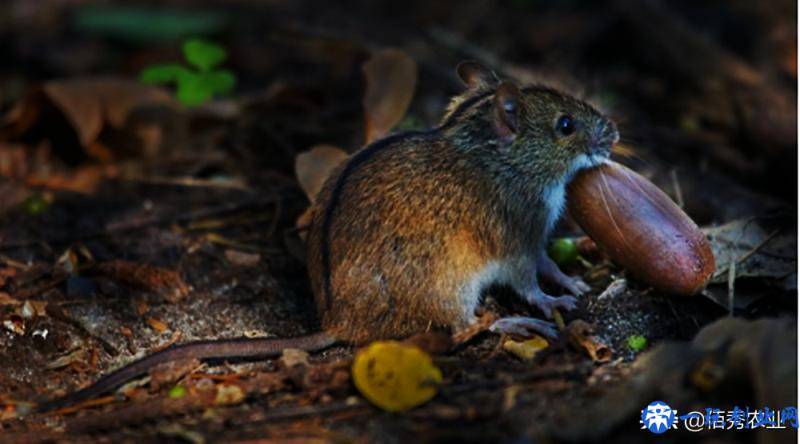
(214, 349)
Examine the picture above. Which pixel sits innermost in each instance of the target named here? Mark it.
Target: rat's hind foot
(550, 272)
(548, 303)
(525, 327)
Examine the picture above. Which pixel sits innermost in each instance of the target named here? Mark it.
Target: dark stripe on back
(358, 158)
(452, 118)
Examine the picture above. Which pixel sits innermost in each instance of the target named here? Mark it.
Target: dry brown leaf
(391, 76)
(14, 162)
(15, 324)
(292, 357)
(7, 275)
(90, 106)
(5, 299)
(125, 331)
(581, 337)
(77, 355)
(88, 103)
(483, 324)
(141, 307)
(157, 324)
(165, 282)
(242, 258)
(315, 165)
(168, 373)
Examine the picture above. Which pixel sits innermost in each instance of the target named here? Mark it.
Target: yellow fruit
(395, 376)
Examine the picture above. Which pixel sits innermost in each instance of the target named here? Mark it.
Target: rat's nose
(611, 132)
(605, 135)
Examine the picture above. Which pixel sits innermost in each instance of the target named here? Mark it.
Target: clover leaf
(200, 82)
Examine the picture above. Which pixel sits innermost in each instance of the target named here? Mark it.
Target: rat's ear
(505, 111)
(474, 75)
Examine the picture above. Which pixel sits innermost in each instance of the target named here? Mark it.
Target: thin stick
(731, 287)
(760, 245)
(676, 186)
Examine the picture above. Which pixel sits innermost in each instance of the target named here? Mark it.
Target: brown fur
(414, 218)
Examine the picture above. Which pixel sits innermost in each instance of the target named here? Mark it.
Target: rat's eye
(565, 125)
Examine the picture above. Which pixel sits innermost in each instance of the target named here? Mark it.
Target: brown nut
(641, 229)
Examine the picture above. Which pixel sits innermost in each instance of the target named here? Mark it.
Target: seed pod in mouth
(641, 228)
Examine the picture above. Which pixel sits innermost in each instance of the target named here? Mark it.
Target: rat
(409, 231)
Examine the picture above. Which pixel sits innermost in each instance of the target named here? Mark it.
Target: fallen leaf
(315, 165)
(749, 250)
(483, 324)
(89, 105)
(141, 307)
(77, 355)
(15, 324)
(7, 275)
(83, 179)
(5, 299)
(91, 102)
(241, 258)
(391, 76)
(162, 281)
(525, 350)
(292, 357)
(228, 394)
(166, 374)
(395, 376)
(580, 335)
(758, 253)
(157, 324)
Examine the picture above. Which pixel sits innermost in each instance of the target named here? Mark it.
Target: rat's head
(539, 129)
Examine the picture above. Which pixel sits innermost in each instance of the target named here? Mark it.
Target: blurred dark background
(705, 88)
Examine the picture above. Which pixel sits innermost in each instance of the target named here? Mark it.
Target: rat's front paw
(524, 327)
(576, 286)
(548, 303)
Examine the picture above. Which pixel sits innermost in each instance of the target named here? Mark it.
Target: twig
(676, 186)
(190, 182)
(731, 287)
(760, 245)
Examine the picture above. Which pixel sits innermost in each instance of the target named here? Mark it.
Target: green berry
(637, 343)
(177, 391)
(563, 251)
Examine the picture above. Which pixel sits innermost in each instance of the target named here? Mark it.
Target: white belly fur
(518, 272)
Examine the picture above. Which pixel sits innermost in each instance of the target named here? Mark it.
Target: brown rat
(410, 229)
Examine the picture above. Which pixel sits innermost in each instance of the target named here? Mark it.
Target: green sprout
(637, 343)
(200, 82)
(177, 391)
(36, 203)
(563, 251)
